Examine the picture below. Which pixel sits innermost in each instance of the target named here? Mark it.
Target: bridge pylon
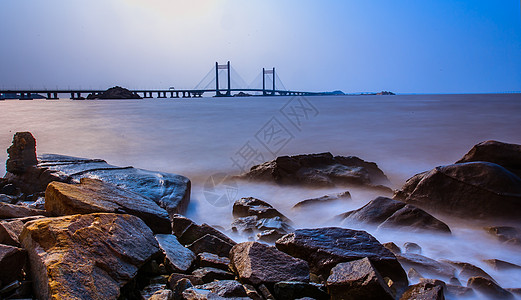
(218, 67)
(264, 73)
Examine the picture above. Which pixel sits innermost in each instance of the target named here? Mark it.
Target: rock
(516, 291)
(11, 229)
(414, 275)
(225, 288)
(188, 232)
(392, 247)
(295, 290)
(246, 207)
(488, 288)
(424, 291)
(22, 153)
(116, 92)
(8, 199)
(322, 200)
(10, 190)
(177, 257)
(149, 290)
(179, 287)
(86, 256)
(252, 292)
(209, 274)
(323, 248)
(10, 211)
(270, 236)
(212, 244)
(459, 291)
(35, 179)
(412, 248)
(506, 234)
(175, 277)
(266, 292)
(93, 195)
(387, 212)
(357, 279)
(427, 265)
(265, 229)
(479, 189)
(206, 259)
(503, 154)
(469, 270)
(501, 265)
(318, 170)
(12, 260)
(256, 264)
(169, 191)
(162, 295)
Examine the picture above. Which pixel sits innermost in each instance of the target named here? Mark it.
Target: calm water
(404, 135)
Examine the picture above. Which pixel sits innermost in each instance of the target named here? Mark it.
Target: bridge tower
(264, 73)
(221, 67)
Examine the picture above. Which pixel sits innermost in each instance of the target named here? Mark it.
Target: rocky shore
(79, 228)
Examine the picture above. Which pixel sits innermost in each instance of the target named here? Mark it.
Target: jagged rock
(459, 291)
(482, 190)
(169, 191)
(162, 295)
(323, 248)
(256, 263)
(188, 231)
(35, 179)
(392, 247)
(265, 292)
(296, 290)
(424, 291)
(426, 265)
(318, 170)
(12, 228)
(489, 288)
(206, 259)
(149, 290)
(116, 92)
(469, 270)
(10, 190)
(501, 264)
(22, 153)
(321, 200)
(175, 277)
(412, 248)
(357, 279)
(212, 244)
(209, 274)
(386, 212)
(177, 257)
(7, 199)
(93, 195)
(506, 234)
(225, 288)
(270, 235)
(10, 211)
(246, 207)
(252, 292)
(86, 256)
(413, 274)
(12, 260)
(503, 154)
(178, 288)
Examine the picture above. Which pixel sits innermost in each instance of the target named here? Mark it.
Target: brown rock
(309, 203)
(12, 228)
(93, 195)
(175, 277)
(392, 247)
(179, 287)
(424, 291)
(206, 259)
(412, 248)
(501, 264)
(297, 290)
(188, 231)
(246, 207)
(177, 257)
(212, 244)
(10, 211)
(22, 153)
(427, 265)
(86, 256)
(209, 274)
(257, 263)
(12, 260)
(489, 288)
(503, 154)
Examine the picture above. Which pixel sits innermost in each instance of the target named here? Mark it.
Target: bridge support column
(48, 95)
(55, 95)
(72, 95)
(171, 94)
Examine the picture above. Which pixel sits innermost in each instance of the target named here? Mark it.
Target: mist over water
(404, 135)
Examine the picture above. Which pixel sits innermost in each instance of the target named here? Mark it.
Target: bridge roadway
(27, 94)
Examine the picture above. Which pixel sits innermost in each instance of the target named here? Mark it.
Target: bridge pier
(159, 95)
(186, 95)
(26, 96)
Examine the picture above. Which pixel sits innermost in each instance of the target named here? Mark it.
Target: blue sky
(406, 46)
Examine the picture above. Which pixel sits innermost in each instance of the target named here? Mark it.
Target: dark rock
(270, 236)
(206, 259)
(35, 179)
(459, 291)
(503, 154)
(322, 200)
(209, 274)
(246, 207)
(177, 257)
(515, 291)
(427, 265)
(294, 290)
(266, 293)
(256, 263)
(424, 291)
(150, 290)
(10, 211)
(225, 288)
(357, 280)
(392, 247)
(12, 228)
(489, 288)
(501, 265)
(93, 195)
(323, 248)
(212, 244)
(454, 281)
(22, 153)
(412, 248)
(169, 191)
(10, 189)
(188, 231)
(468, 270)
(178, 288)
(86, 256)
(414, 275)
(116, 92)
(318, 170)
(8, 199)
(162, 295)
(387, 212)
(252, 292)
(479, 189)
(12, 260)
(506, 234)
(175, 277)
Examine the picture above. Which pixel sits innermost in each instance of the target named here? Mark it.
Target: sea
(207, 139)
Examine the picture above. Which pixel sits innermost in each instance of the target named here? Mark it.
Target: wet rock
(482, 190)
(256, 263)
(225, 288)
(488, 288)
(265, 292)
(85, 256)
(149, 290)
(318, 170)
(454, 281)
(468, 270)
(459, 291)
(357, 279)
(177, 256)
(322, 200)
(413, 274)
(179, 287)
(501, 265)
(503, 154)
(412, 248)
(295, 290)
(93, 195)
(175, 277)
(270, 236)
(209, 274)
(246, 207)
(427, 265)
(10, 211)
(12, 228)
(252, 292)
(392, 247)
(22, 153)
(385, 212)
(206, 259)
(506, 234)
(212, 244)
(516, 291)
(323, 248)
(162, 295)
(10, 190)
(169, 191)
(188, 231)
(8, 199)
(35, 179)
(12, 260)
(116, 92)
(424, 291)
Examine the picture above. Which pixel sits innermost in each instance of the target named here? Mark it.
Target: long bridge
(197, 92)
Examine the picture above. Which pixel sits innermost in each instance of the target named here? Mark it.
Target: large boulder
(503, 154)
(22, 153)
(322, 169)
(386, 212)
(170, 191)
(86, 256)
(93, 195)
(324, 248)
(10, 211)
(246, 207)
(11, 229)
(480, 190)
(326, 199)
(257, 263)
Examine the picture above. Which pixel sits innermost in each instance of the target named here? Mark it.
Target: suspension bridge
(221, 81)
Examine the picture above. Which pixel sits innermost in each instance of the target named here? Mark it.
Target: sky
(404, 46)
